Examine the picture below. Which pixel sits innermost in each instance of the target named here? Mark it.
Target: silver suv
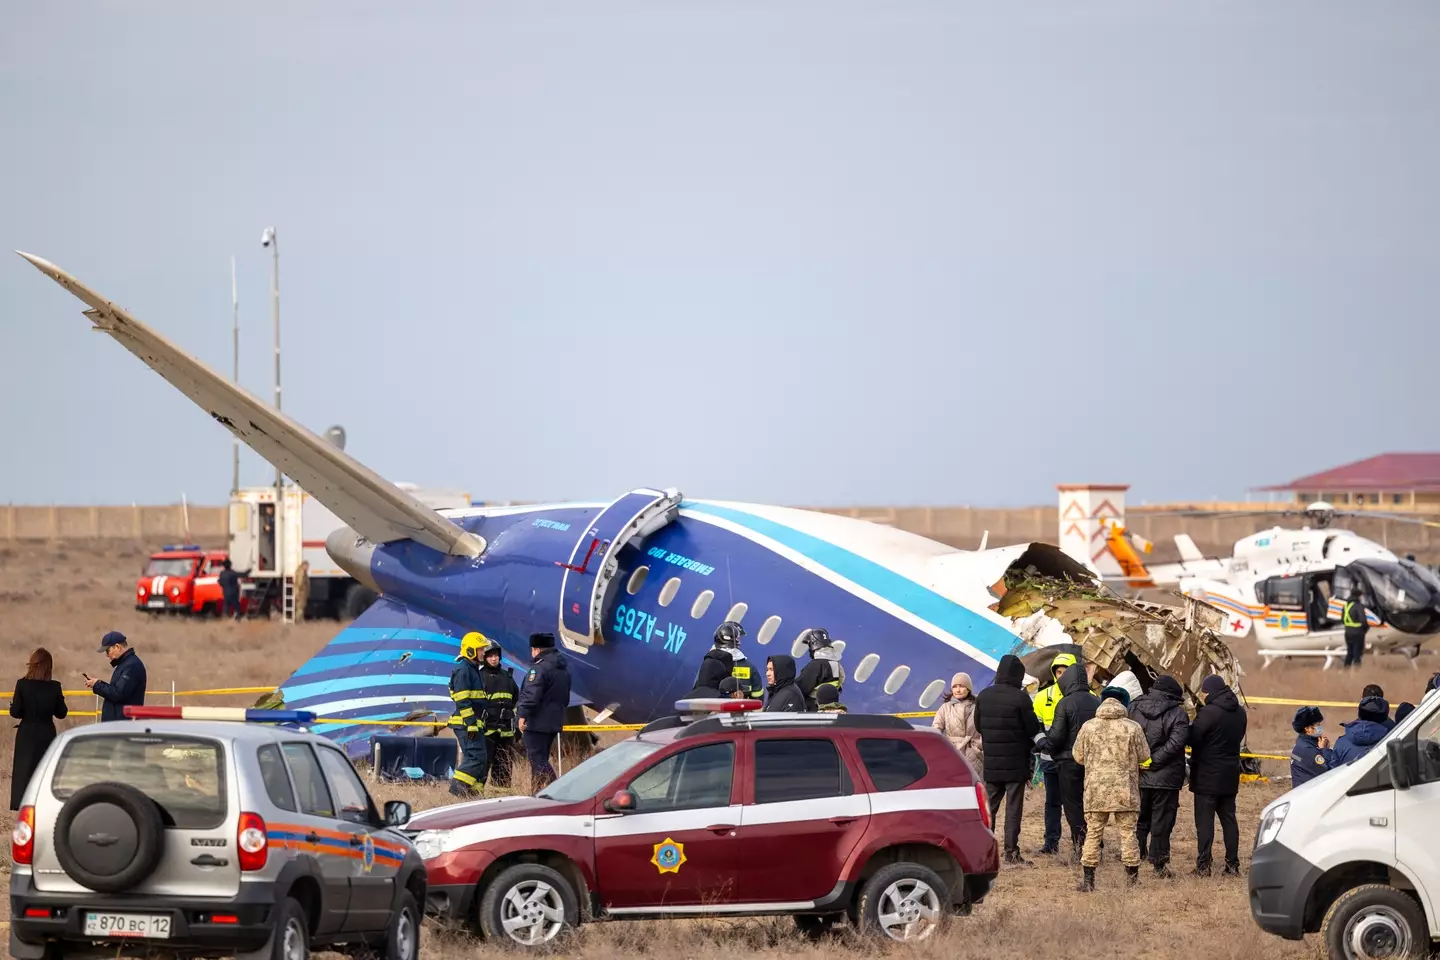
(208, 838)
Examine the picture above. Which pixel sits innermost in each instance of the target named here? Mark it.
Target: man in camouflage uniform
(1111, 747)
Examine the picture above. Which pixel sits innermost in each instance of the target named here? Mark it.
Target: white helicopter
(1290, 586)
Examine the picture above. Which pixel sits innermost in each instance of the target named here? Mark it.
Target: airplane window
(767, 630)
(896, 678)
(667, 592)
(702, 603)
(839, 646)
(867, 667)
(637, 580)
(798, 648)
(737, 612)
(931, 694)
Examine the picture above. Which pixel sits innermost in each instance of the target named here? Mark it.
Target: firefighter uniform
(497, 717)
(751, 683)
(467, 689)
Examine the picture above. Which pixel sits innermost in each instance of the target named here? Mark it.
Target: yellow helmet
(471, 644)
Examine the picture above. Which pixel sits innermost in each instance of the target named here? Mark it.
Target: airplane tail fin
(1189, 553)
(374, 508)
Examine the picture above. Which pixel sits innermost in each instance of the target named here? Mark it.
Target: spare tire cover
(109, 837)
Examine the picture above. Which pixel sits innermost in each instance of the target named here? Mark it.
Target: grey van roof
(229, 731)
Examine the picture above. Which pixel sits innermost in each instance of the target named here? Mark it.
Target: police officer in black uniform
(497, 718)
(467, 689)
(230, 591)
(542, 705)
(823, 668)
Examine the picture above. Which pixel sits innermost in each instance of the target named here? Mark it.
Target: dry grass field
(65, 596)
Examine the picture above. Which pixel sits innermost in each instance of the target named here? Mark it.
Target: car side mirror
(1399, 754)
(622, 802)
(397, 813)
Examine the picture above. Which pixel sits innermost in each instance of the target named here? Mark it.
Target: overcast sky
(799, 252)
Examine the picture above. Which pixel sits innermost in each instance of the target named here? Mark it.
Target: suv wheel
(1375, 920)
(402, 942)
(903, 901)
(529, 905)
(289, 935)
(109, 837)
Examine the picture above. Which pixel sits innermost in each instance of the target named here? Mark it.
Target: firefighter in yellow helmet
(467, 689)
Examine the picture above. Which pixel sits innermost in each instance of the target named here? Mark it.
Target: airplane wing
(373, 507)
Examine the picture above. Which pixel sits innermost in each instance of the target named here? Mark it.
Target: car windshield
(585, 780)
(170, 566)
(183, 775)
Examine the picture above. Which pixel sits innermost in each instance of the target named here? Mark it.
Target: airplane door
(592, 563)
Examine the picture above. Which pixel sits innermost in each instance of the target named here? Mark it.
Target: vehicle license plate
(156, 603)
(126, 925)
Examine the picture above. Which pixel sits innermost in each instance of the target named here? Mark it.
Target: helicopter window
(1285, 592)
(737, 612)
(701, 604)
(667, 592)
(767, 630)
(931, 694)
(896, 678)
(637, 580)
(866, 667)
(1396, 587)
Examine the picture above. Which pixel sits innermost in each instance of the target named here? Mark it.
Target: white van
(1354, 854)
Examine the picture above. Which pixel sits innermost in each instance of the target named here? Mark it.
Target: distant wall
(150, 524)
(960, 527)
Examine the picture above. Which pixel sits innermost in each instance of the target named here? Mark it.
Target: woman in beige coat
(956, 719)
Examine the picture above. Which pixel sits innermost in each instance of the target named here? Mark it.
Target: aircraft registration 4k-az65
(633, 589)
(1290, 586)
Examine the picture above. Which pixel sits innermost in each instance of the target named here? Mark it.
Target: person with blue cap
(1311, 755)
(126, 686)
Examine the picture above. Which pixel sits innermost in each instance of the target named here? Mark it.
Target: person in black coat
(126, 686)
(1009, 732)
(1161, 714)
(542, 705)
(714, 668)
(1076, 706)
(782, 693)
(229, 591)
(1215, 740)
(37, 704)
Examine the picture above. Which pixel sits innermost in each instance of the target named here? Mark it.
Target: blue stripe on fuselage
(959, 621)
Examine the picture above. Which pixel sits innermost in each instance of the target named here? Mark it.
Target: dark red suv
(724, 811)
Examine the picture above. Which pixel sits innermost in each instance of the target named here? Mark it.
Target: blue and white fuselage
(908, 611)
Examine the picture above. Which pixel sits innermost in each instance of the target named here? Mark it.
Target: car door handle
(721, 828)
(356, 840)
(841, 821)
(312, 838)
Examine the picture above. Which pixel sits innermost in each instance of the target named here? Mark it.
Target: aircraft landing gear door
(593, 561)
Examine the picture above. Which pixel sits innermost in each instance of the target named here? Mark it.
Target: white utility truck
(270, 569)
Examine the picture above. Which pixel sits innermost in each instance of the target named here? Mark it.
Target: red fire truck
(181, 578)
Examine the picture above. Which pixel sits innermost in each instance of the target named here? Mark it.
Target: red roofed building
(1389, 480)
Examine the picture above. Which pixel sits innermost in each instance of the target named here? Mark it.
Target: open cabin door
(593, 562)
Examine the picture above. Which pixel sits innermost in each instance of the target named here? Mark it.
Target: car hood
(482, 811)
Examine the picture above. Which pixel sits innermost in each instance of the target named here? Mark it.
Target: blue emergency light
(170, 547)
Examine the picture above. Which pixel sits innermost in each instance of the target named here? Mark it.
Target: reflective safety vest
(1350, 620)
(467, 689)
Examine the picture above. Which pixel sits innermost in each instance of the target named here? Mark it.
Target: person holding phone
(126, 686)
(38, 702)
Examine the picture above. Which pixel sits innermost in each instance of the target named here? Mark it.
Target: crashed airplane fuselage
(633, 588)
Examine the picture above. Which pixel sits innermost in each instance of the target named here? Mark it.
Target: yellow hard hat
(471, 644)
